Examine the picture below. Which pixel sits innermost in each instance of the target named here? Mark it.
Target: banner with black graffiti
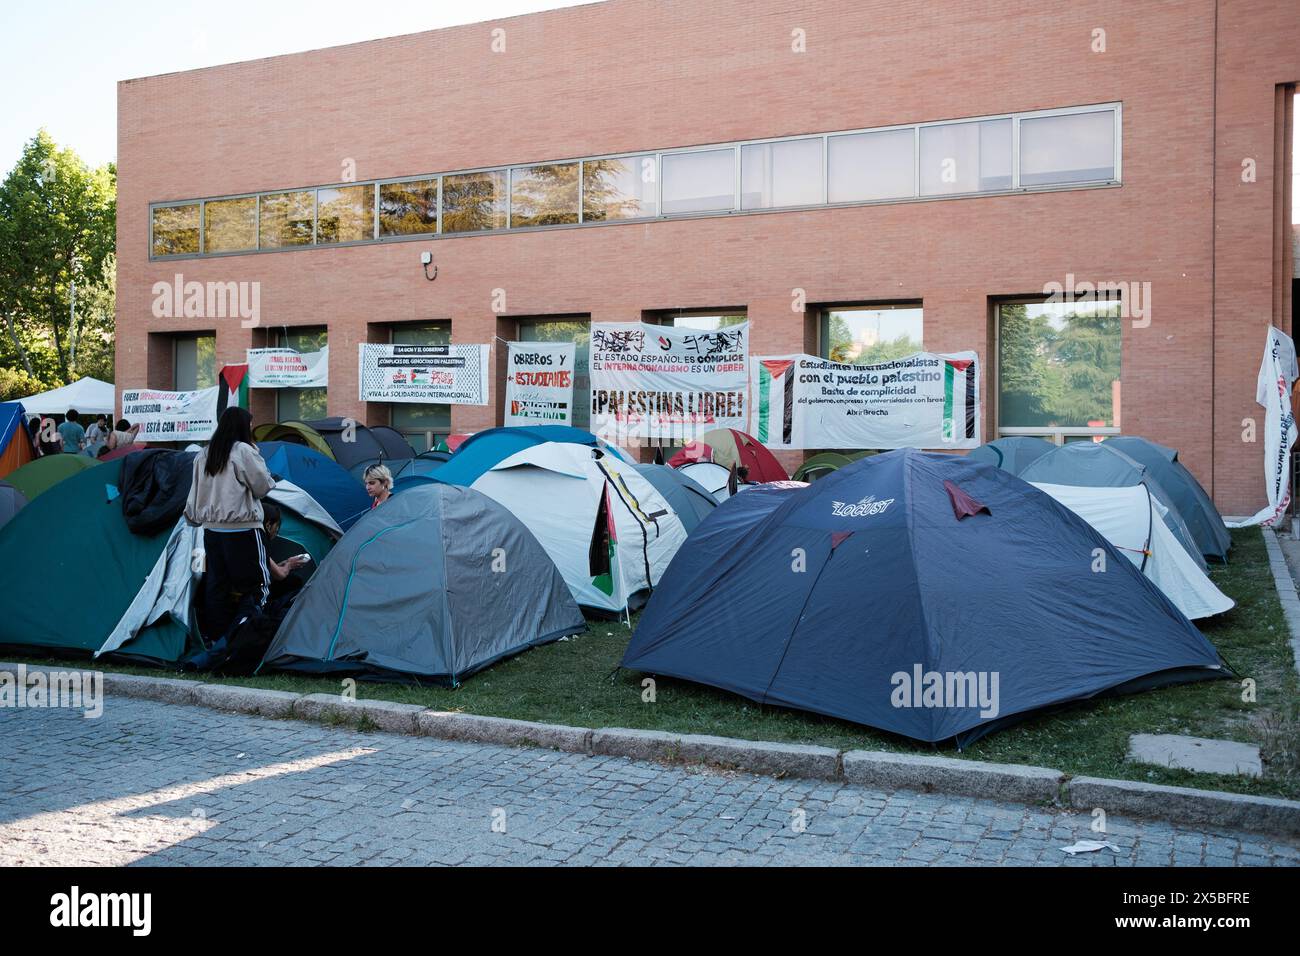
(925, 400)
(657, 383)
(436, 374)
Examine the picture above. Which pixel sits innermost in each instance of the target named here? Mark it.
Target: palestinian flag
(602, 555)
(775, 401)
(233, 391)
(958, 399)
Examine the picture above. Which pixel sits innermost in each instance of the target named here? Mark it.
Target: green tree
(57, 233)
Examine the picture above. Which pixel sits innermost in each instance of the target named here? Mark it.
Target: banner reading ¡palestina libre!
(288, 368)
(438, 374)
(656, 382)
(921, 401)
(539, 383)
(171, 416)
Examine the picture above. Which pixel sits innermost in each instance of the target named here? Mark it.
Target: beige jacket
(231, 499)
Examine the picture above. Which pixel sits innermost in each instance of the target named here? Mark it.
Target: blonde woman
(379, 484)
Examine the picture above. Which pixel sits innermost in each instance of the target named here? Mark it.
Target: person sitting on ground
(271, 526)
(379, 484)
(96, 436)
(230, 480)
(123, 435)
(73, 435)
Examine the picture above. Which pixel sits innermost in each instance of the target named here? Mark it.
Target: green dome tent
(137, 587)
(819, 466)
(39, 476)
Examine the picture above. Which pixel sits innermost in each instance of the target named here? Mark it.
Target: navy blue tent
(1014, 453)
(333, 488)
(1203, 519)
(689, 498)
(854, 597)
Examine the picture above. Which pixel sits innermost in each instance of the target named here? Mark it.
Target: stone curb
(999, 781)
(877, 769)
(246, 700)
(1286, 591)
(385, 715)
(451, 725)
(1185, 805)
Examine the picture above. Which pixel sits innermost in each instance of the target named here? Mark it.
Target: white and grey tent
(607, 528)
(1132, 520)
(1103, 465)
(435, 584)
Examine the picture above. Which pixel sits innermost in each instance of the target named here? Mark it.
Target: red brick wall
(629, 75)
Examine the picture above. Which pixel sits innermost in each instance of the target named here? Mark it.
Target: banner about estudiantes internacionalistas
(925, 400)
(656, 382)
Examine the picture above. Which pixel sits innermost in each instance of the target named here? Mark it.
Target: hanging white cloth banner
(288, 368)
(539, 383)
(1277, 373)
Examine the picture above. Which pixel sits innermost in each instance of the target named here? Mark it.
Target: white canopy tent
(89, 396)
(1133, 521)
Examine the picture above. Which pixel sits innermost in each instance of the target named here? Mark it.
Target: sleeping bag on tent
(854, 597)
(435, 584)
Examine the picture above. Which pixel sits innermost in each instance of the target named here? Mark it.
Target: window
(544, 195)
(787, 173)
(194, 362)
(176, 230)
(868, 335)
(577, 331)
(1067, 148)
(625, 187)
(867, 166)
(422, 425)
(302, 404)
(1059, 368)
(474, 201)
(230, 225)
(965, 157)
(345, 214)
(709, 321)
(700, 181)
(287, 219)
(408, 209)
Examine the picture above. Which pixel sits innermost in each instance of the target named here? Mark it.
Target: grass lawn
(575, 682)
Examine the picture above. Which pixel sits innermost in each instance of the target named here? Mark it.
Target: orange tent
(15, 444)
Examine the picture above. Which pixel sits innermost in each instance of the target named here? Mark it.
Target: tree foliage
(57, 233)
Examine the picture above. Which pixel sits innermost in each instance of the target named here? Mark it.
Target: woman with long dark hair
(230, 479)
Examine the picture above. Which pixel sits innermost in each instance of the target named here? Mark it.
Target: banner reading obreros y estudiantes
(651, 382)
(437, 374)
(925, 400)
(171, 416)
(539, 383)
(288, 368)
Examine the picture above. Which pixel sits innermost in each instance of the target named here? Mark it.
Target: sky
(60, 60)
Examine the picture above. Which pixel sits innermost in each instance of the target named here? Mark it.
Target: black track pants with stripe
(236, 580)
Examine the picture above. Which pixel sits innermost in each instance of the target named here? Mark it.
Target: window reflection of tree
(1059, 373)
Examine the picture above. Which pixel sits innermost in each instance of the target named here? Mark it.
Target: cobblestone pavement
(152, 783)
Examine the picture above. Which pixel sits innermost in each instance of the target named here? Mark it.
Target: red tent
(727, 447)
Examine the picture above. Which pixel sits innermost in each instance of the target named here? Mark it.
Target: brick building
(910, 172)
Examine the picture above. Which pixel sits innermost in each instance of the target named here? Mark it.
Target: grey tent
(435, 584)
(12, 501)
(1014, 453)
(688, 497)
(1203, 519)
(1102, 465)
